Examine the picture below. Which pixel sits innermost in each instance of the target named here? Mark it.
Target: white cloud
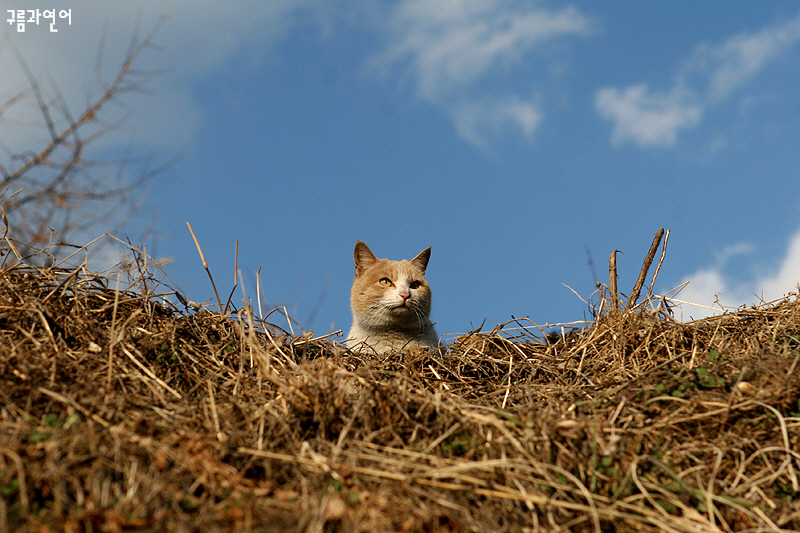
(475, 120)
(197, 36)
(707, 78)
(741, 58)
(194, 39)
(711, 285)
(446, 47)
(647, 119)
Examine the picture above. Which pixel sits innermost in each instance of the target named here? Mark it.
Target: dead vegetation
(120, 411)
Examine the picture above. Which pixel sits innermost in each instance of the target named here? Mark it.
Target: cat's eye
(414, 285)
(386, 282)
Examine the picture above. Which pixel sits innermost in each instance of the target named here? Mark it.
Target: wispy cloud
(447, 47)
(191, 33)
(713, 287)
(707, 78)
(475, 119)
(742, 57)
(647, 118)
(74, 65)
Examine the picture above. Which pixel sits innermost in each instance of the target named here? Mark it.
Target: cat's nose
(404, 296)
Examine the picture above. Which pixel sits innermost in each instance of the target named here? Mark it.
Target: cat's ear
(421, 261)
(364, 257)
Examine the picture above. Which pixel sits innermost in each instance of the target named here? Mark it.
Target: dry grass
(119, 411)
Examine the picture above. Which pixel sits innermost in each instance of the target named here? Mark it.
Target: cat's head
(388, 293)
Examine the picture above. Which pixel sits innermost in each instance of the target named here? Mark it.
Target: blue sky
(511, 137)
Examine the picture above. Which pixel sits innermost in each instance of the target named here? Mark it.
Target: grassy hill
(120, 411)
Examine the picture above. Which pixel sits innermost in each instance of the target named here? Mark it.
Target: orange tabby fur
(391, 303)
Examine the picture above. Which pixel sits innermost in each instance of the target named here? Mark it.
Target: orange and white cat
(391, 303)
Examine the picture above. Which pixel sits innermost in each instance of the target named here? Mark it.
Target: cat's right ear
(364, 257)
(422, 259)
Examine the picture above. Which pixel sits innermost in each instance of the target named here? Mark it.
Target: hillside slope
(122, 412)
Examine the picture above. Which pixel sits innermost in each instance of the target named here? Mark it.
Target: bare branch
(648, 260)
(64, 190)
(612, 280)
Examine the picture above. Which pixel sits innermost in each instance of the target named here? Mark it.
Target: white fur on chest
(385, 341)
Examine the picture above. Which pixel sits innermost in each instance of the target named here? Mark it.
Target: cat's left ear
(364, 258)
(422, 259)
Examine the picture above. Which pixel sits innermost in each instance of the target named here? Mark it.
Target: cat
(391, 303)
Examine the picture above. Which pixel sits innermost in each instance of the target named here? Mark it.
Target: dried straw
(222, 422)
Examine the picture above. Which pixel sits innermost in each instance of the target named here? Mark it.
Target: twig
(220, 435)
(648, 260)
(258, 293)
(236, 275)
(112, 334)
(612, 280)
(658, 267)
(205, 265)
(64, 284)
(315, 339)
(575, 293)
